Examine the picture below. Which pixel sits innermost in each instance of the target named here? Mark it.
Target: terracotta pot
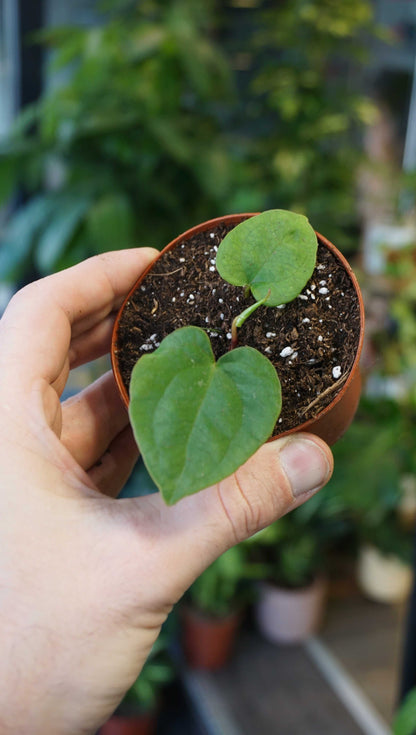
(290, 615)
(207, 641)
(341, 576)
(330, 423)
(383, 578)
(140, 724)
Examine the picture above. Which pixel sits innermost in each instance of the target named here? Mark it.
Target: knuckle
(244, 510)
(249, 507)
(255, 495)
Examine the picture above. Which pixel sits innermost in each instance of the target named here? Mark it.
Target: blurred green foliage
(221, 588)
(395, 341)
(404, 722)
(370, 462)
(167, 114)
(292, 551)
(287, 553)
(359, 505)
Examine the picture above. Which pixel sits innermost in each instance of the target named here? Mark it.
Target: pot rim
(237, 218)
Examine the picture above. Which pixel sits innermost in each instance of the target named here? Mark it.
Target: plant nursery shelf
(343, 682)
(268, 689)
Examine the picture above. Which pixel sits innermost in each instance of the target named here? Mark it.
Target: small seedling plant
(195, 419)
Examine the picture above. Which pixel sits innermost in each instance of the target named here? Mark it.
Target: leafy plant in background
(303, 56)
(291, 552)
(366, 492)
(291, 555)
(156, 125)
(117, 154)
(396, 341)
(221, 588)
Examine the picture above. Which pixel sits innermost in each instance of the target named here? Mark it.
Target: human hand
(87, 580)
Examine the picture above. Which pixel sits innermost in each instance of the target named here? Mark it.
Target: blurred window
(8, 63)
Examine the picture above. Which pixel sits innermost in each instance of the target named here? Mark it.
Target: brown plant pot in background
(331, 421)
(207, 641)
(140, 724)
(286, 615)
(341, 575)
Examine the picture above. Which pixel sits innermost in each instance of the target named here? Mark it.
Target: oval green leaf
(275, 251)
(196, 420)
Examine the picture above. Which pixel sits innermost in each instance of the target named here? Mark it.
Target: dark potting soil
(311, 341)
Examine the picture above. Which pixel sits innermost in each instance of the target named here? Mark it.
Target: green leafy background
(163, 115)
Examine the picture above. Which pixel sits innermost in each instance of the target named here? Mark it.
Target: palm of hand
(86, 580)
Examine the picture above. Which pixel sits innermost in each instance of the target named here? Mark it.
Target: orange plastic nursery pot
(207, 641)
(330, 410)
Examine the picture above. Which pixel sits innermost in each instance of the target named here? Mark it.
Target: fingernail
(305, 465)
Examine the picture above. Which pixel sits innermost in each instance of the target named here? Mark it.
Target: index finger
(41, 319)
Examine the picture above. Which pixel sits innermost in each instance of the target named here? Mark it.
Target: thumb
(194, 532)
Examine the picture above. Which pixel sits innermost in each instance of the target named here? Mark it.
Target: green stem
(239, 320)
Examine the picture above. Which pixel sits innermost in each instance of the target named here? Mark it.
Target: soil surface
(311, 341)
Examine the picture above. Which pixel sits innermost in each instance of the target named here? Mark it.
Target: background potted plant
(213, 609)
(109, 158)
(369, 494)
(384, 569)
(289, 559)
(137, 713)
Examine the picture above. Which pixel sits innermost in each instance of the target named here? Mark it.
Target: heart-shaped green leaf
(274, 251)
(196, 420)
